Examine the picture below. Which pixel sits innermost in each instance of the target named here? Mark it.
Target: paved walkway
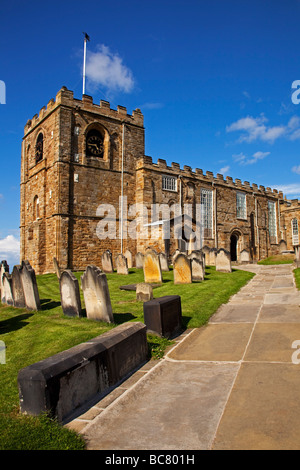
(229, 385)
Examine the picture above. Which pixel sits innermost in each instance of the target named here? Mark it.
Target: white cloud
(104, 68)
(296, 169)
(9, 244)
(224, 170)
(292, 189)
(242, 159)
(257, 129)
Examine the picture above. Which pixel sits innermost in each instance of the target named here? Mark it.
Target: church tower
(76, 155)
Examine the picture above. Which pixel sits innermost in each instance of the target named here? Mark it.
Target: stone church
(79, 158)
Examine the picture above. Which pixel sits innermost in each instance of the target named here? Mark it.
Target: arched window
(36, 208)
(94, 144)
(39, 147)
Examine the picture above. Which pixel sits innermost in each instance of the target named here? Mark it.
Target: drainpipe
(122, 184)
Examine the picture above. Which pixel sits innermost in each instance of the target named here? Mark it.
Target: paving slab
(178, 407)
(232, 384)
(214, 342)
(263, 411)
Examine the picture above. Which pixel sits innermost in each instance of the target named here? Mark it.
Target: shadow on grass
(123, 317)
(49, 304)
(14, 323)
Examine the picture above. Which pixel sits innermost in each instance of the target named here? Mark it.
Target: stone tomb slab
(163, 315)
(223, 342)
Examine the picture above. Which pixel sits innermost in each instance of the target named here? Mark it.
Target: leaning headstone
(152, 268)
(128, 256)
(69, 294)
(96, 295)
(176, 253)
(144, 292)
(198, 271)
(4, 268)
(182, 270)
(139, 260)
(223, 261)
(6, 292)
(17, 288)
(30, 288)
(164, 262)
(57, 268)
(107, 262)
(121, 262)
(244, 257)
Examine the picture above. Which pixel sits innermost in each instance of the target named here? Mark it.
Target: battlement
(187, 171)
(65, 97)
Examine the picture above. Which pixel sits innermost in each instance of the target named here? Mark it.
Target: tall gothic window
(241, 209)
(295, 232)
(272, 222)
(206, 201)
(39, 147)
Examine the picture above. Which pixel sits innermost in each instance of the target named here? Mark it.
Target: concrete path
(233, 384)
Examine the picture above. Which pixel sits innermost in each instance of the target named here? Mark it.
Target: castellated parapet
(78, 156)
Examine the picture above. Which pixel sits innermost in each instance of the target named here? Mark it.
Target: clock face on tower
(94, 144)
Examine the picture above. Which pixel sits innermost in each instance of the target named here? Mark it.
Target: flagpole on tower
(86, 38)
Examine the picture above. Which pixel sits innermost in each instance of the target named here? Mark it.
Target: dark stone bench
(68, 380)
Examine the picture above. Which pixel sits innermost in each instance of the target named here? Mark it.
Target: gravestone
(4, 268)
(152, 268)
(57, 268)
(144, 292)
(223, 261)
(107, 262)
(17, 288)
(139, 260)
(30, 288)
(70, 294)
(244, 257)
(96, 295)
(198, 271)
(6, 292)
(211, 255)
(163, 315)
(176, 253)
(121, 263)
(198, 254)
(128, 256)
(164, 262)
(182, 270)
(205, 250)
(282, 246)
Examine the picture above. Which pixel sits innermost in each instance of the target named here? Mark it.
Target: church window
(272, 221)
(241, 209)
(39, 148)
(36, 208)
(206, 201)
(295, 232)
(169, 183)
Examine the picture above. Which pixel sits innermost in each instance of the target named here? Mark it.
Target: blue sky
(213, 79)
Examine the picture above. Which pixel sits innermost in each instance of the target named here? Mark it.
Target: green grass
(32, 336)
(297, 277)
(278, 259)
